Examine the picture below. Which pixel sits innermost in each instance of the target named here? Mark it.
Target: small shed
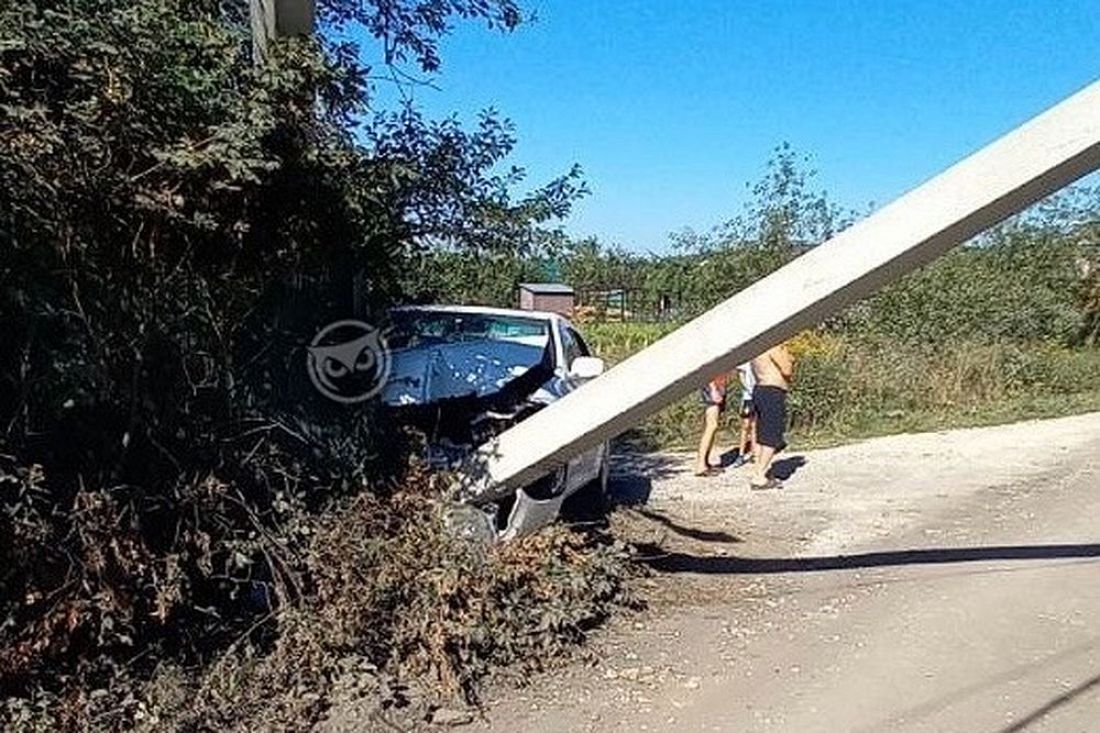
(552, 297)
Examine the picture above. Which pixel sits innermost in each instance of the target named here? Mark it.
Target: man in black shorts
(773, 371)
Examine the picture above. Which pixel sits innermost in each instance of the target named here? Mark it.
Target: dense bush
(176, 222)
(145, 468)
(394, 599)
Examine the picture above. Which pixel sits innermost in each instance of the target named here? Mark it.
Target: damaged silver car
(463, 374)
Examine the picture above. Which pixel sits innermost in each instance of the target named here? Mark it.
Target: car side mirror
(586, 367)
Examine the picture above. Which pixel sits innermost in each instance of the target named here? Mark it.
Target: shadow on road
(981, 687)
(784, 468)
(677, 562)
(694, 533)
(1063, 699)
(632, 476)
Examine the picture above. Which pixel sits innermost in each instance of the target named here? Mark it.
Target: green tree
(786, 211)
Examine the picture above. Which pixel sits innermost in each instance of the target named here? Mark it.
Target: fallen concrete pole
(1043, 155)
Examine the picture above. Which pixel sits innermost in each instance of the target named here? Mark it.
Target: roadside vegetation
(851, 387)
(191, 538)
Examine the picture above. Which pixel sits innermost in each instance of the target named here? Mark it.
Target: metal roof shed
(553, 297)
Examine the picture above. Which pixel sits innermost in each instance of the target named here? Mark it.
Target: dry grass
(400, 616)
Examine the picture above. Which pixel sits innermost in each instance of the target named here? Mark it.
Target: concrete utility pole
(278, 18)
(1040, 157)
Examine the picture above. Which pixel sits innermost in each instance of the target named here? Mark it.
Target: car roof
(483, 310)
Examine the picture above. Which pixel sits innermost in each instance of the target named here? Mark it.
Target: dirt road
(938, 582)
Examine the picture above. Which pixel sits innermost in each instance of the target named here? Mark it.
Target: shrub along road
(941, 581)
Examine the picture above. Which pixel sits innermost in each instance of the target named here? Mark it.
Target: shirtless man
(773, 371)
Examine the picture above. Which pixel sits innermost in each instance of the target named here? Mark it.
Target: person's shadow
(784, 468)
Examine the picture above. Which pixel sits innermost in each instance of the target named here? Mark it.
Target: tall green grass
(850, 387)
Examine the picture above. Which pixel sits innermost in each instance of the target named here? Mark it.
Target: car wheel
(592, 500)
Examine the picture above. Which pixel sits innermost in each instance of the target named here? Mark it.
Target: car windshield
(413, 328)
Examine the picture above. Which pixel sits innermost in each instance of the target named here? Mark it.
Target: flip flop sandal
(711, 471)
(767, 485)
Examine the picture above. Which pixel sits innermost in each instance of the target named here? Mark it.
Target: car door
(586, 466)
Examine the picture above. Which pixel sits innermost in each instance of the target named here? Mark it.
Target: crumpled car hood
(436, 372)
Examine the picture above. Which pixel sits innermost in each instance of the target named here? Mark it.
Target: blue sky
(672, 106)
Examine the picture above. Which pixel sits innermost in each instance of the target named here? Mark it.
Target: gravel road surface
(935, 582)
